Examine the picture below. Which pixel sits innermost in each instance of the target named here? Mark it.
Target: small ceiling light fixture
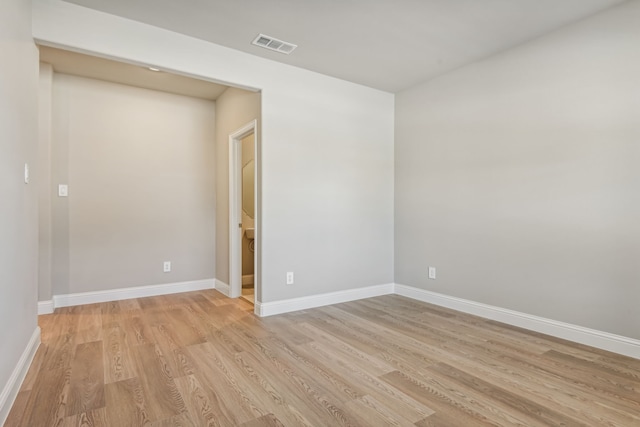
(153, 68)
(272, 43)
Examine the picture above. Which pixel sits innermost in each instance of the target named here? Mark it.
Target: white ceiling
(77, 64)
(386, 44)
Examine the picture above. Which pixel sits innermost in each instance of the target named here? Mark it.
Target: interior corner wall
(18, 200)
(139, 165)
(235, 108)
(517, 177)
(45, 189)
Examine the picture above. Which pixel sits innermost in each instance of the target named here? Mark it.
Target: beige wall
(234, 109)
(518, 178)
(18, 201)
(248, 221)
(325, 152)
(45, 188)
(140, 169)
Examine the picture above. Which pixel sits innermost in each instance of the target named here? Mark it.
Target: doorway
(243, 222)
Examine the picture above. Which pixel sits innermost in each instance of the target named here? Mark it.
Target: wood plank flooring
(201, 359)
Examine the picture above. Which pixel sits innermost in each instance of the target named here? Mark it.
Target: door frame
(235, 210)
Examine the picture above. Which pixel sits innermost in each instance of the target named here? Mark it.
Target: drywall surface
(45, 188)
(517, 177)
(18, 200)
(326, 150)
(139, 165)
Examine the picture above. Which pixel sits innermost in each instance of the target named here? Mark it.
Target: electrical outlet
(166, 266)
(63, 190)
(432, 273)
(290, 278)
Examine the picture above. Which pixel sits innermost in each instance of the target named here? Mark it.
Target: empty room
(319, 213)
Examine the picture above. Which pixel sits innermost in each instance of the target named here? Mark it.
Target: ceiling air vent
(271, 43)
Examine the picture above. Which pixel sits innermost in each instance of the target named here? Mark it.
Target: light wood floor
(198, 359)
(248, 294)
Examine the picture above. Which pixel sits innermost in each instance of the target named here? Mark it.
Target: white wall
(326, 150)
(18, 201)
(140, 169)
(518, 178)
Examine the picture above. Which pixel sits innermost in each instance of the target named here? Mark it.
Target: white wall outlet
(26, 173)
(166, 267)
(63, 190)
(290, 278)
(432, 273)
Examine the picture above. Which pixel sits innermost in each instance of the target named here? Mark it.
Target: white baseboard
(294, 304)
(247, 279)
(603, 340)
(45, 307)
(591, 337)
(128, 293)
(222, 287)
(12, 387)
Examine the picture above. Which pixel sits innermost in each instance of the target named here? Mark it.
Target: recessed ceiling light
(272, 43)
(154, 69)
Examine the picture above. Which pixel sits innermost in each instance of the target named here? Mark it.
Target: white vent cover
(271, 43)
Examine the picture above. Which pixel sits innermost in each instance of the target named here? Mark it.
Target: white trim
(591, 337)
(247, 279)
(222, 287)
(134, 292)
(12, 387)
(45, 307)
(264, 309)
(579, 334)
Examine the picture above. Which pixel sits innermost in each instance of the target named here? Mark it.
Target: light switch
(26, 173)
(63, 190)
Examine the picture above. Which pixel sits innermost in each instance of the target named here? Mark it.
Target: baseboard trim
(264, 309)
(591, 337)
(12, 387)
(247, 279)
(223, 287)
(45, 307)
(128, 293)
